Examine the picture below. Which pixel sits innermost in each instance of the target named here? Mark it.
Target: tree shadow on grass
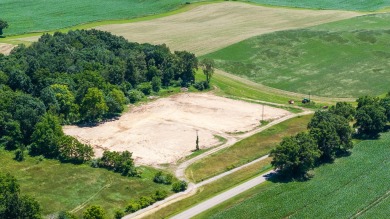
(278, 177)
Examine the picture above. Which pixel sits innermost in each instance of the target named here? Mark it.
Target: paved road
(222, 197)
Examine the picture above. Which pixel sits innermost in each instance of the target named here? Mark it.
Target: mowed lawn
(245, 150)
(43, 15)
(352, 187)
(68, 187)
(329, 60)
(357, 5)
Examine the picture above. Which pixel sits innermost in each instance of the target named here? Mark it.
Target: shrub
(145, 88)
(162, 178)
(202, 85)
(156, 83)
(159, 195)
(145, 201)
(135, 96)
(133, 206)
(179, 186)
(119, 214)
(19, 155)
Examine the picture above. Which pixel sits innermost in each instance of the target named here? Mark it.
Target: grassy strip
(245, 150)
(210, 190)
(350, 186)
(64, 187)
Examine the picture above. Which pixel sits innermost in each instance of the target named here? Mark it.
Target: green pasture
(351, 187)
(349, 5)
(66, 187)
(245, 150)
(45, 15)
(330, 60)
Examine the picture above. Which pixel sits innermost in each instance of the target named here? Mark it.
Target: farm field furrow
(338, 190)
(213, 26)
(327, 60)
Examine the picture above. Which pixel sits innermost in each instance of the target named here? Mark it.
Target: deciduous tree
(295, 155)
(3, 25)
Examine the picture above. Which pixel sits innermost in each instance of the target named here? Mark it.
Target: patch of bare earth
(210, 27)
(163, 131)
(6, 48)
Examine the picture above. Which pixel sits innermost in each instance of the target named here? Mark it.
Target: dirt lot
(163, 131)
(6, 48)
(211, 27)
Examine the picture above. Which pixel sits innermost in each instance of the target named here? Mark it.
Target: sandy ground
(6, 48)
(163, 131)
(210, 27)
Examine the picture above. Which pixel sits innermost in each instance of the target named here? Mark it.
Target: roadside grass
(354, 5)
(205, 192)
(245, 150)
(66, 187)
(328, 60)
(351, 185)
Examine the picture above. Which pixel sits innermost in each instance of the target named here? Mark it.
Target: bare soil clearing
(210, 27)
(6, 48)
(163, 131)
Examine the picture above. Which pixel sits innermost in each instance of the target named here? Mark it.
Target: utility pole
(197, 141)
(262, 114)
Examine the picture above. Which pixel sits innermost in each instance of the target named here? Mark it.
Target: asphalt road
(221, 197)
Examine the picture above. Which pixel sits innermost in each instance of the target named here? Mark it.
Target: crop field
(318, 60)
(245, 150)
(210, 27)
(68, 187)
(353, 5)
(43, 15)
(353, 186)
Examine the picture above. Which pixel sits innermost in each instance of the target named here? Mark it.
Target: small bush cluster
(179, 186)
(120, 162)
(202, 85)
(145, 201)
(162, 178)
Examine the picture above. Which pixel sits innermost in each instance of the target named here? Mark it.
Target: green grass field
(245, 150)
(353, 5)
(43, 15)
(64, 187)
(353, 186)
(343, 59)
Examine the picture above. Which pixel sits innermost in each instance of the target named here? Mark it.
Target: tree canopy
(295, 155)
(3, 25)
(12, 204)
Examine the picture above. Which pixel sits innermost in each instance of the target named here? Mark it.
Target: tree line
(330, 135)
